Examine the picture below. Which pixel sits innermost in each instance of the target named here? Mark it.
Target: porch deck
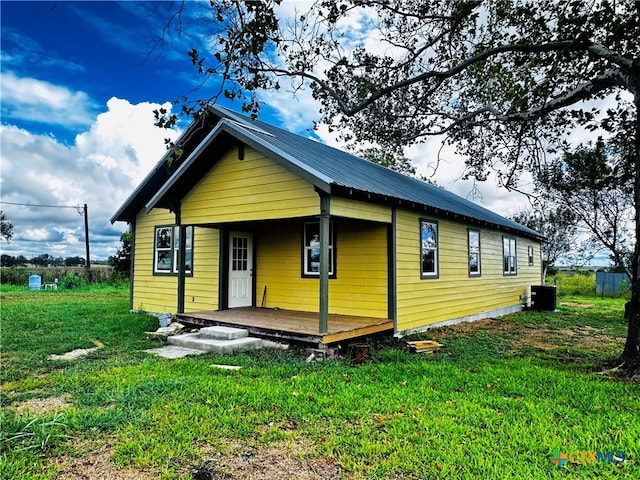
(289, 324)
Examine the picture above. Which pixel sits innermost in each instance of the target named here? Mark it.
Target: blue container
(35, 282)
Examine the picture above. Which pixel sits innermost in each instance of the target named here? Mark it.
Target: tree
(56, 261)
(7, 260)
(594, 182)
(74, 261)
(504, 81)
(6, 227)
(42, 260)
(121, 261)
(397, 163)
(557, 224)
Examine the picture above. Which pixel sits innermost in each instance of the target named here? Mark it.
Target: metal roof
(333, 170)
(343, 169)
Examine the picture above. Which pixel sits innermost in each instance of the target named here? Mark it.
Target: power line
(84, 210)
(36, 205)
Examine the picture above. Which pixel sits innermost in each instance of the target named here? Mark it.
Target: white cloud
(36, 234)
(101, 169)
(121, 137)
(39, 101)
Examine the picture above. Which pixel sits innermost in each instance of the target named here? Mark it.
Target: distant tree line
(43, 260)
(120, 261)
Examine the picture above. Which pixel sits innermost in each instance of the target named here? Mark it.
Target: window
(428, 249)
(474, 253)
(311, 250)
(509, 256)
(530, 255)
(188, 249)
(167, 245)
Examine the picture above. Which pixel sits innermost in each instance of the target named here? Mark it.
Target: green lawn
(496, 403)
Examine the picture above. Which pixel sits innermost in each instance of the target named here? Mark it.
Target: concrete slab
(193, 340)
(225, 367)
(272, 344)
(223, 333)
(172, 351)
(73, 355)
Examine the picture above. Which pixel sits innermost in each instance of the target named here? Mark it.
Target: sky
(78, 85)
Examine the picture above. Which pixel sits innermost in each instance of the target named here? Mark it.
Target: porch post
(323, 326)
(181, 265)
(182, 235)
(392, 291)
(132, 262)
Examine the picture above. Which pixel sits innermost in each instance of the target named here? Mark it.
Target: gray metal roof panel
(347, 170)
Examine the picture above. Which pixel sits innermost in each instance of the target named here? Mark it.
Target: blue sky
(79, 82)
(96, 49)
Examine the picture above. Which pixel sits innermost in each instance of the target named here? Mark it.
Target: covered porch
(291, 325)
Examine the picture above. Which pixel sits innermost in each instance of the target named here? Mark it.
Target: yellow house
(257, 226)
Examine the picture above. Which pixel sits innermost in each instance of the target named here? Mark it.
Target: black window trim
(531, 255)
(333, 256)
(172, 272)
(436, 273)
(479, 272)
(514, 255)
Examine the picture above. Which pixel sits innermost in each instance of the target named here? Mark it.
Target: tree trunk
(631, 353)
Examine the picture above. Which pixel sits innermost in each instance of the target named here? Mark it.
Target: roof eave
(184, 139)
(162, 192)
(415, 205)
(120, 216)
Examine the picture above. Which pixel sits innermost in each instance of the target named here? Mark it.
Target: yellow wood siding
(256, 188)
(361, 263)
(158, 293)
(151, 293)
(454, 294)
(343, 207)
(201, 289)
(361, 284)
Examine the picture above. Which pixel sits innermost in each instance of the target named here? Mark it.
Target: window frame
(531, 255)
(171, 248)
(477, 273)
(306, 272)
(427, 275)
(509, 256)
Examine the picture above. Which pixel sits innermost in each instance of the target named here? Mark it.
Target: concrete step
(193, 340)
(223, 333)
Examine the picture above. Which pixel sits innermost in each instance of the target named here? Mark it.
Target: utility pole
(87, 263)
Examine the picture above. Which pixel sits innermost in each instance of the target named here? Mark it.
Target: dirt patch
(592, 339)
(540, 337)
(490, 325)
(42, 406)
(293, 461)
(234, 460)
(96, 465)
(577, 305)
(580, 338)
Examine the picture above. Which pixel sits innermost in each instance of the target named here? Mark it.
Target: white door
(240, 270)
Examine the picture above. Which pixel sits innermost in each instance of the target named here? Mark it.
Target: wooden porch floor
(289, 324)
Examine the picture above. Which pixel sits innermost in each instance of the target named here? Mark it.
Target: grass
(495, 403)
